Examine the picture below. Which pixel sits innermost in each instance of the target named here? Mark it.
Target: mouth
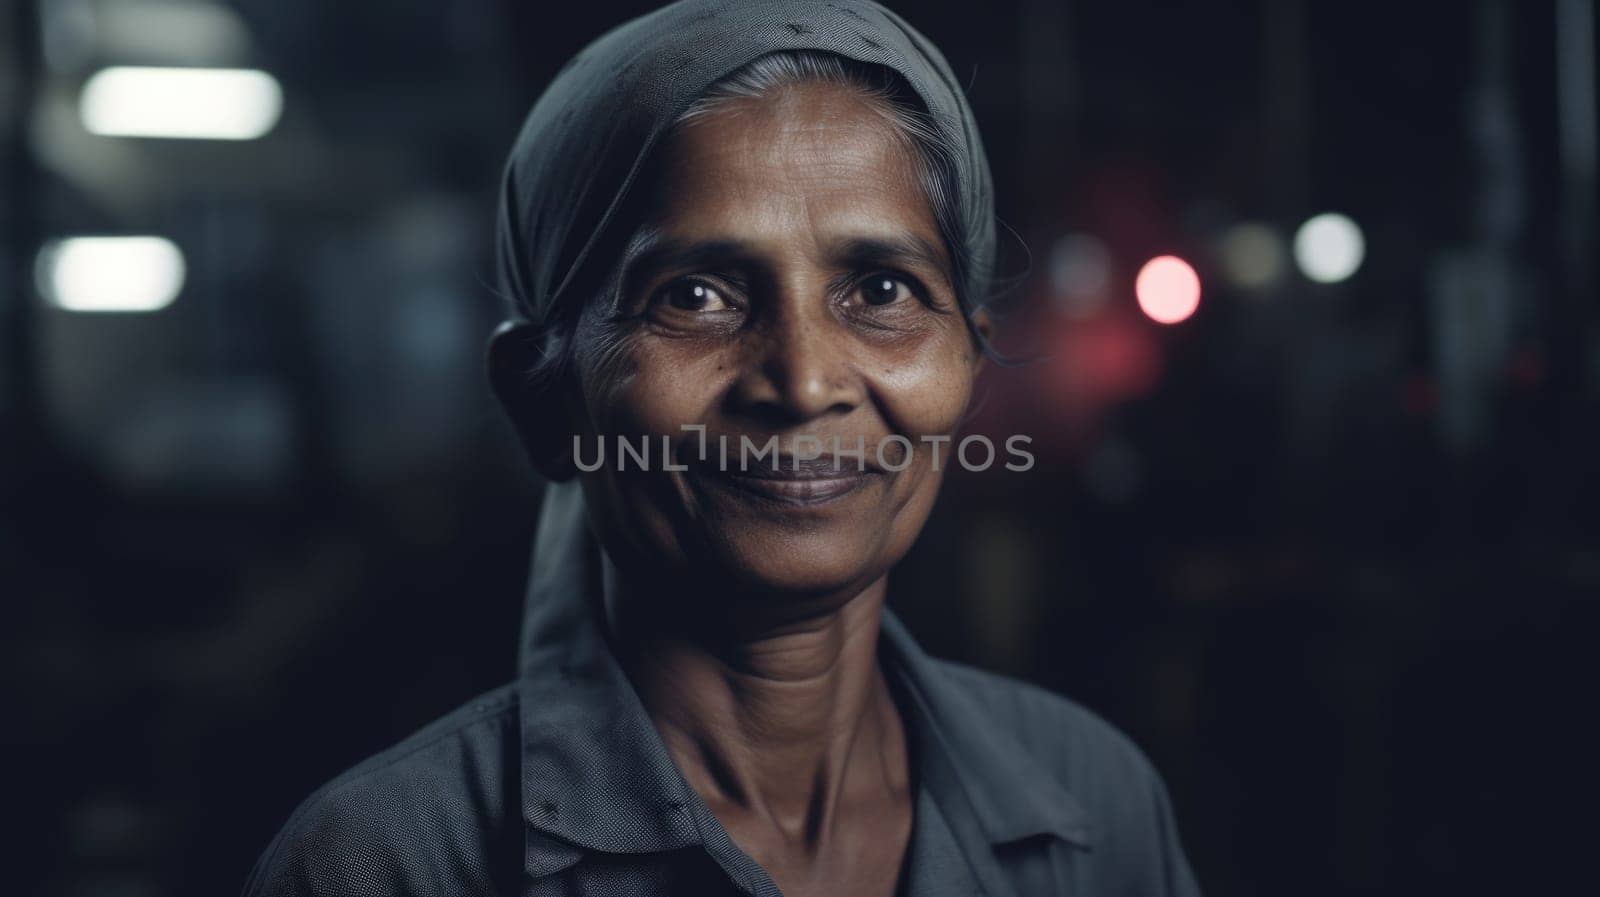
(790, 481)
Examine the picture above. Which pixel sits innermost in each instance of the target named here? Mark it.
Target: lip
(794, 481)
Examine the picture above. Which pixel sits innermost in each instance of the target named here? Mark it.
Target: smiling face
(791, 283)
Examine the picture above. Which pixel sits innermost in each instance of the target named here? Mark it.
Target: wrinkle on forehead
(817, 151)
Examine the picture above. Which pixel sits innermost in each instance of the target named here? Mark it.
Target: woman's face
(793, 285)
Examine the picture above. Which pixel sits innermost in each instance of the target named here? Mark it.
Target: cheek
(926, 389)
(658, 386)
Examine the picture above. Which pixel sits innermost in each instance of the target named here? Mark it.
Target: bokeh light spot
(1253, 255)
(1329, 247)
(1168, 289)
(188, 103)
(110, 274)
(1080, 274)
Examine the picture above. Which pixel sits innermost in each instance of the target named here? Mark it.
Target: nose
(800, 369)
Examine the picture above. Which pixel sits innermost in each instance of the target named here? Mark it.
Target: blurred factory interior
(1310, 289)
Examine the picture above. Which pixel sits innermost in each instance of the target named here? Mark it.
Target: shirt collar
(595, 773)
(597, 776)
(1013, 794)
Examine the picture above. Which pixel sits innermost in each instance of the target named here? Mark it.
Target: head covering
(589, 135)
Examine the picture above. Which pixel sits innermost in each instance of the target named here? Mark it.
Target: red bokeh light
(1168, 289)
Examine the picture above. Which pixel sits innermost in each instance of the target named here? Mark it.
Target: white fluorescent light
(194, 103)
(110, 273)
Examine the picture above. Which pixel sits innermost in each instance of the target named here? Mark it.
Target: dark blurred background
(1327, 547)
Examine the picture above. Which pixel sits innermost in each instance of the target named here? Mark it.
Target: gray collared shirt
(559, 784)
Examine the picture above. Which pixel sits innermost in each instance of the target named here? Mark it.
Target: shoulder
(437, 813)
(1074, 741)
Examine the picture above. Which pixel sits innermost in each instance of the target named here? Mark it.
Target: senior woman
(761, 224)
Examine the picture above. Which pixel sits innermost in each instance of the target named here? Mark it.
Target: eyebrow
(863, 252)
(651, 250)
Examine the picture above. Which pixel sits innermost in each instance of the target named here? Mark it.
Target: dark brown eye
(692, 295)
(883, 289)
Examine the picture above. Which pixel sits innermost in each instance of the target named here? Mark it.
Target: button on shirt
(559, 784)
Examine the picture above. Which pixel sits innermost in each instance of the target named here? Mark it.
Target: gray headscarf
(589, 135)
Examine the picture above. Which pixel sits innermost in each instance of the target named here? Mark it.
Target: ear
(535, 405)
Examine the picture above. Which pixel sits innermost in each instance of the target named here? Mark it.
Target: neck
(775, 721)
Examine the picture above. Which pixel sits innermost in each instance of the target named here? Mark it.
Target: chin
(815, 565)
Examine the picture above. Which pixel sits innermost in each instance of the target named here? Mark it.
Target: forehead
(818, 158)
